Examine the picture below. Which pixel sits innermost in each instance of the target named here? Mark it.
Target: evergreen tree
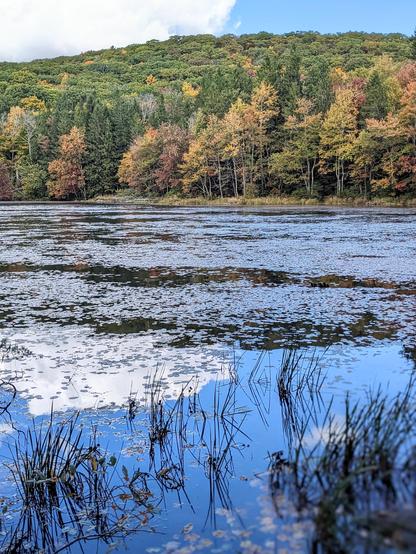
(101, 166)
(413, 46)
(125, 125)
(376, 103)
(62, 120)
(221, 87)
(318, 87)
(284, 74)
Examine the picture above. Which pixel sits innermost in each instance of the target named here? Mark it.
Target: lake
(168, 331)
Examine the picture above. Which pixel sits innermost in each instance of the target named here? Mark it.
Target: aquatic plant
(9, 351)
(361, 466)
(299, 372)
(67, 490)
(184, 427)
(221, 441)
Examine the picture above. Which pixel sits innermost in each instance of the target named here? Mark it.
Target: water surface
(104, 296)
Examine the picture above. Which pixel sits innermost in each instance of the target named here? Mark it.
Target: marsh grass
(362, 464)
(299, 373)
(342, 473)
(47, 456)
(130, 197)
(70, 491)
(222, 440)
(184, 430)
(299, 379)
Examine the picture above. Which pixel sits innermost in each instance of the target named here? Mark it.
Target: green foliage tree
(413, 46)
(33, 181)
(207, 115)
(100, 159)
(298, 161)
(221, 87)
(376, 105)
(317, 85)
(6, 187)
(339, 130)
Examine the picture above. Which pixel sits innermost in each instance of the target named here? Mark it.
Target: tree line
(272, 122)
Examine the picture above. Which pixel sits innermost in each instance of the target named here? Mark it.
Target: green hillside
(125, 70)
(114, 97)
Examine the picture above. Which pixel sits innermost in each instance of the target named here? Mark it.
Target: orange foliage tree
(66, 172)
(151, 165)
(6, 188)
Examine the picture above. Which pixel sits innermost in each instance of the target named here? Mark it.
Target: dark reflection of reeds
(359, 474)
(300, 379)
(8, 392)
(348, 474)
(67, 487)
(209, 435)
(69, 491)
(222, 441)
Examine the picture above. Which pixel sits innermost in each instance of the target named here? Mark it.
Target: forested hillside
(302, 114)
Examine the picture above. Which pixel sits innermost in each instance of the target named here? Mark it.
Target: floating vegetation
(10, 351)
(232, 444)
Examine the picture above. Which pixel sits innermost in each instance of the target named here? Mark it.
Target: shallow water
(104, 296)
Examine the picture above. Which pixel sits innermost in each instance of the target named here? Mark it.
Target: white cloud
(43, 28)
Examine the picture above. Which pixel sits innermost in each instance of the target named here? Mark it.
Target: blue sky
(325, 16)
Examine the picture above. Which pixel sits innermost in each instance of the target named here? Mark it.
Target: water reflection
(101, 297)
(204, 452)
(90, 372)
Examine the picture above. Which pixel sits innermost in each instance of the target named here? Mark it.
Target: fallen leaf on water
(188, 528)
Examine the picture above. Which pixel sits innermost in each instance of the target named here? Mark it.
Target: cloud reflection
(90, 371)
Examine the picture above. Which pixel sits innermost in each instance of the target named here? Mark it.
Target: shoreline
(200, 202)
(268, 201)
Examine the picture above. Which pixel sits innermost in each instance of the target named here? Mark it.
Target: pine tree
(413, 46)
(101, 168)
(376, 103)
(318, 87)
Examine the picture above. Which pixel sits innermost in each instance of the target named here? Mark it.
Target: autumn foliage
(152, 162)
(6, 188)
(249, 151)
(67, 174)
(302, 114)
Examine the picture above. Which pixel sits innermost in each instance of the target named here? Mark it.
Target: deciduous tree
(66, 172)
(339, 131)
(298, 160)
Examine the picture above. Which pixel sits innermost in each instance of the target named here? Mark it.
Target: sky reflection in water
(102, 296)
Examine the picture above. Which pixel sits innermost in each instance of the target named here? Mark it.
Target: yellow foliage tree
(67, 174)
(339, 131)
(189, 90)
(33, 104)
(151, 80)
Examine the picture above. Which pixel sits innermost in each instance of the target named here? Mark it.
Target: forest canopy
(301, 114)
